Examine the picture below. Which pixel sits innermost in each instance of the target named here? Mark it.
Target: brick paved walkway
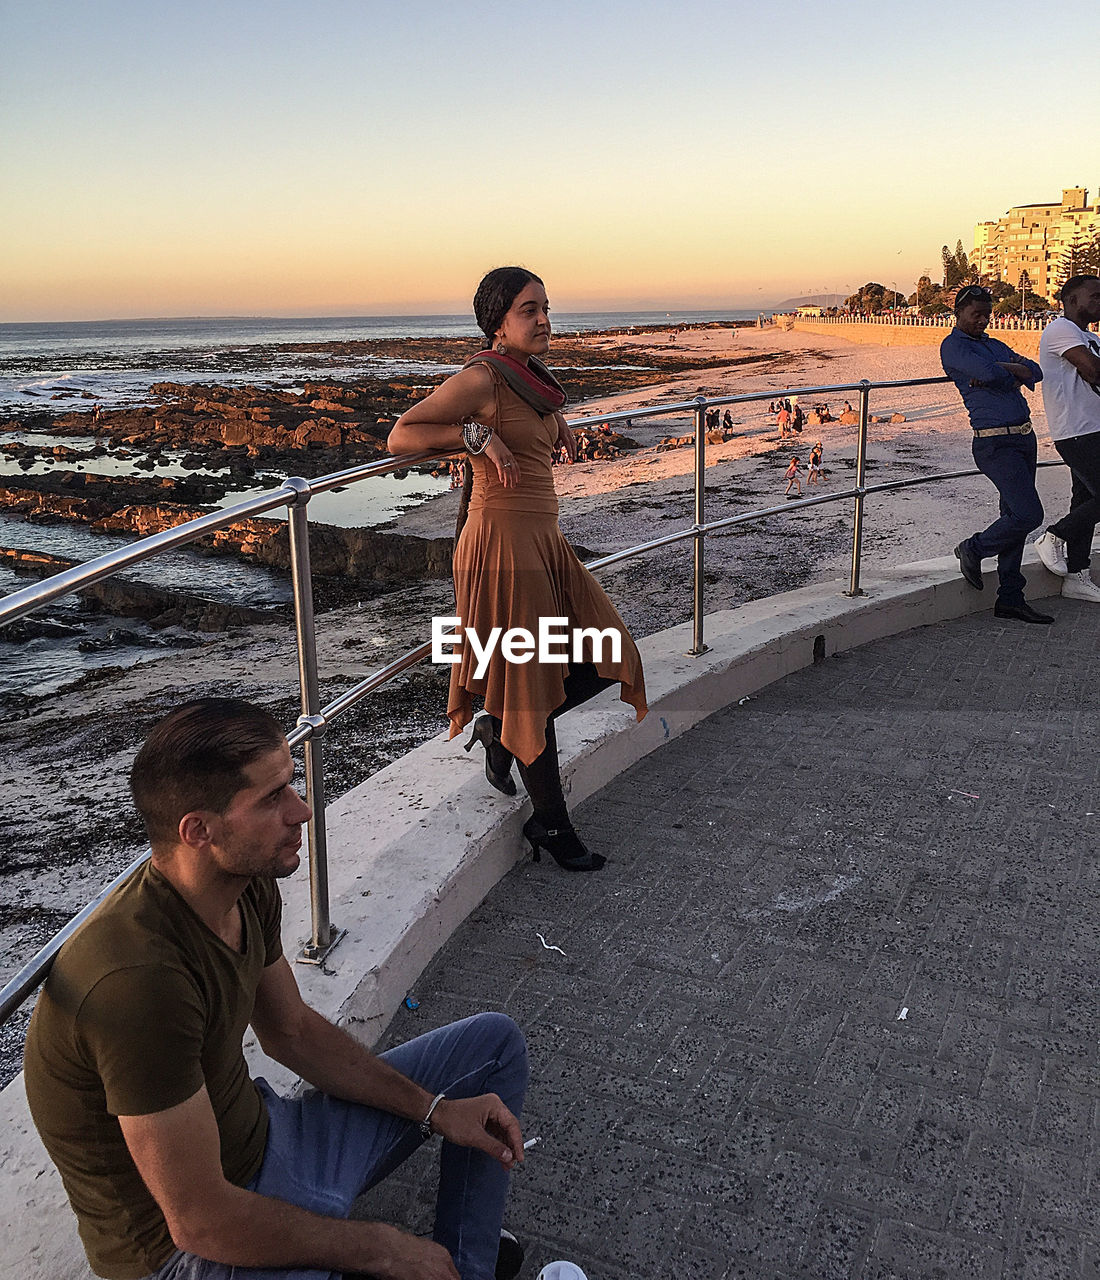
(831, 1010)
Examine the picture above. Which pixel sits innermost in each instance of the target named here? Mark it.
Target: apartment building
(1032, 238)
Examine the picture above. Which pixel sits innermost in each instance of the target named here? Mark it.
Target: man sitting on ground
(177, 1164)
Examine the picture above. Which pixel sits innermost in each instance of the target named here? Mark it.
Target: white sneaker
(1052, 552)
(1080, 586)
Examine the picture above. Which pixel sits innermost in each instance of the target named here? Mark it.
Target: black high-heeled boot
(563, 844)
(485, 732)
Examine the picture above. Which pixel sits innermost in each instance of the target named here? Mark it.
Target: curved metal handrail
(295, 494)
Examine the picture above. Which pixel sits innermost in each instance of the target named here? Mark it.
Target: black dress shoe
(970, 566)
(510, 1256)
(1022, 612)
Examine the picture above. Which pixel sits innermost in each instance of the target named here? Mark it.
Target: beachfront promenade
(829, 1012)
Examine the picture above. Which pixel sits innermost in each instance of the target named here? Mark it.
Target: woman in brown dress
(512, 565)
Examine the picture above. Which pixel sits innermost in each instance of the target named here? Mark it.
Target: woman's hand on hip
(503, 459)
(566, 439)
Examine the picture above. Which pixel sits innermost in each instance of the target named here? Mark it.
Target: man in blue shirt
(989, 376)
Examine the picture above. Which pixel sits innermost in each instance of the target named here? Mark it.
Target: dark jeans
(1009, 461)
(1082, 454)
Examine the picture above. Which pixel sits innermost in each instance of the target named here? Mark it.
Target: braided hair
(495, 295)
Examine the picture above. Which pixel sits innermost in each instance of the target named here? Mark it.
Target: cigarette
(530, 1143)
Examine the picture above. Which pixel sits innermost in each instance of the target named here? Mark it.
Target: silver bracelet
(426, 1123)
(475, 436)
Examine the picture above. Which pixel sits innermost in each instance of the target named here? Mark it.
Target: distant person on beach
(727, 421)
(792, 476)
(1070, 359)
(512, 566)
(797, 419)
(177, 1164)
(989, 377)
(783, 421)
(815, 472)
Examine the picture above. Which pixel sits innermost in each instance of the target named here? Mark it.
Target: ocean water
(58, 367)
(55, 368)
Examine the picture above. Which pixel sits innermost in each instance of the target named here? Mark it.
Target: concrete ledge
(415, 848)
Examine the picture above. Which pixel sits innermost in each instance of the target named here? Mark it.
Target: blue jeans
(323, 1152)
(1009, 461)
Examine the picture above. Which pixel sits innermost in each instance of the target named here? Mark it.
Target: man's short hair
(195, 758)
(1073, 284)
(972, 293)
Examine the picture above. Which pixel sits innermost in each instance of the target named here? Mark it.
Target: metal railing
(295, 494)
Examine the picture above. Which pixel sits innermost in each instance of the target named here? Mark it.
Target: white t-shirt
(1072, 404)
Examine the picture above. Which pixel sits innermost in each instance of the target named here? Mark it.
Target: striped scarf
(532, 382)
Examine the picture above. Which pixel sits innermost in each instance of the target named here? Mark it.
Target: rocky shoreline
(252, 436)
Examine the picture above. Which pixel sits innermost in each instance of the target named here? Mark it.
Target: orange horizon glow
(376, 160)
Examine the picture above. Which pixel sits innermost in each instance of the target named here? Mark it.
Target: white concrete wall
(415, 848)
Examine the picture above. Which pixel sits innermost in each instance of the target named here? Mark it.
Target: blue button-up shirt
(991, 394)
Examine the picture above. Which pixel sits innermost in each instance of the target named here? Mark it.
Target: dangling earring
(500, 348)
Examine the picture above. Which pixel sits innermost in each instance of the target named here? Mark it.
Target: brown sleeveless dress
(512, 565)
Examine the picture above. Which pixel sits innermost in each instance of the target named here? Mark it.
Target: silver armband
(475, 436)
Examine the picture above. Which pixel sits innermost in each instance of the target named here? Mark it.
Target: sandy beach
(64, 757)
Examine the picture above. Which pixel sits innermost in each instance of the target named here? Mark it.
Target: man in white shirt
(1069, 356)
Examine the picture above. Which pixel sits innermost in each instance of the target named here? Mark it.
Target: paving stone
(919, 1253)
(987, 1203)
(1044, 1253)
(837, 1241)
(720, 1075)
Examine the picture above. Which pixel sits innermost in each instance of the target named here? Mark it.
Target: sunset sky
(352, 157)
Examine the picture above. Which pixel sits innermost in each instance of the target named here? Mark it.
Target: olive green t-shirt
(143, 1007)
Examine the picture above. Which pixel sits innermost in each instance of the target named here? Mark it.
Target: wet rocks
(366, 555)
(124, 597)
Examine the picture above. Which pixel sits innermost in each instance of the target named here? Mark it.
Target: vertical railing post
(854, 588)
(697, 644)
(322, 937)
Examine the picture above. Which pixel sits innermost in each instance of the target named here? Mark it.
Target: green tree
(869, 298)
(926, 292)
(1013, 303)
(956, 266)
(1080, 257)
